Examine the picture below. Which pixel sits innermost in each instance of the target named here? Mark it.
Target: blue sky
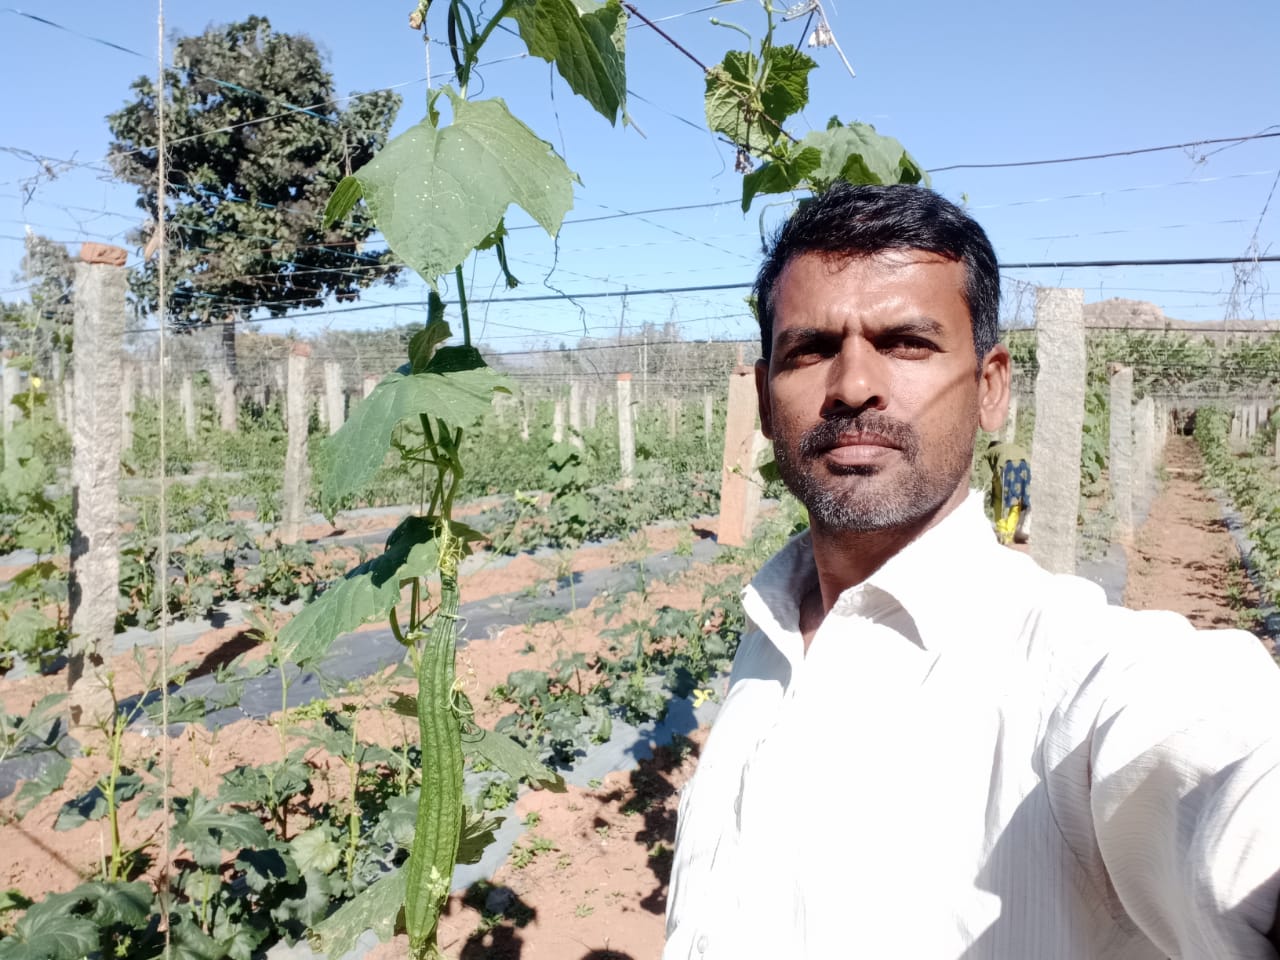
(956, 83)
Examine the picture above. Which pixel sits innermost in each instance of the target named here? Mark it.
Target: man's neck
(845, 559)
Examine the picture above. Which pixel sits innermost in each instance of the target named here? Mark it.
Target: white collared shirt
(980, 759)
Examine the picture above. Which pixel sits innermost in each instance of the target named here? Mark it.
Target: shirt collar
(936, 578)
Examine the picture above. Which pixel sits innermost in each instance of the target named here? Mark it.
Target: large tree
(256, 143)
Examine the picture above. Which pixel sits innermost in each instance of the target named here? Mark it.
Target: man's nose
(858, 379)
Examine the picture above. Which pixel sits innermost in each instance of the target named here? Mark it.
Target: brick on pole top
(103, 253)
(624, 376)
(300, 349)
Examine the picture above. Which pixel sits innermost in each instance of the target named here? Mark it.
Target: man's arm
(1185, 782)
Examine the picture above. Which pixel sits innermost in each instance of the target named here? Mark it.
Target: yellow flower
(702, 695)
(36, 382)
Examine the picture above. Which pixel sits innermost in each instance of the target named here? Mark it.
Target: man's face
(872, 396)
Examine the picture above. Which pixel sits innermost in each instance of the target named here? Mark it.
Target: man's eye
(911, 348)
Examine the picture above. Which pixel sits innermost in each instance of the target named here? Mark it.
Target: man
(1010, 490)
(931, 748)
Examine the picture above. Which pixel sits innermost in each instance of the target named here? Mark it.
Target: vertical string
(162, 885)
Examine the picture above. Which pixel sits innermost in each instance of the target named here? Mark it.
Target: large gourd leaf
(437, 192)
(374, 909)
(587, 43)
(459, 397)
(367, 592)
(852, 152)
(856, 153)
(749, 116)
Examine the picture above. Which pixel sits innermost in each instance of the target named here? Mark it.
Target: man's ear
(762, 398)
(993, 388)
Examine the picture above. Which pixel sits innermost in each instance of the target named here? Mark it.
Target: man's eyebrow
(800, 335)
(914, 326)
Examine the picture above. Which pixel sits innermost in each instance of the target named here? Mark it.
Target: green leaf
(92, 804)
(368, 591)
(124, 903)
(477, 833)
(314, 849)
(51, 778)
(376, 909)
(50, 938)
(512, 759)
(460, 398)
(748, 99)
(262, 868)
(587, 43)
(422, 346)
(341, 202)
(857, 154)
(436, 193)
(780, 176)
(207, 831)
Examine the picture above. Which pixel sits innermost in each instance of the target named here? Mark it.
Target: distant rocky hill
(1140, 315)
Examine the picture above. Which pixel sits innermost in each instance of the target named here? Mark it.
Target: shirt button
(702, 944)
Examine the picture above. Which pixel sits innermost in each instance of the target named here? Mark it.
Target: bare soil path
(1183, 558)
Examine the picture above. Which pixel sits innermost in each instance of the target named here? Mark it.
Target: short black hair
(850, 221)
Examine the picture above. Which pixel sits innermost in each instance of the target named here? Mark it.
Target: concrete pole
(626, 431)
(128, 394)
(593, 407)
(1120, 457)
(708, 418)
(557, 423)
(575, 413)
(1144, 447)
(334, 398)
(93, 586)
(738, 468)
(1058, 434)
(1010, 429)
(187, 400)
(297, 415)
(56, 391)
(673, 416)
(1237, 426)
(371, 380)
(10, 387)
(227, 409)
(69, 401)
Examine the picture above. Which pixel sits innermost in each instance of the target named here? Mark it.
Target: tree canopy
(256, 143)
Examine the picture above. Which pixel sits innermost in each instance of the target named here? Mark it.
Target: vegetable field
(388, 643)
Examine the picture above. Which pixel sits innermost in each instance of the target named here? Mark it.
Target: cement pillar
(1120, 457)
(93, 586)
(1057, 438)
(334, 398)
(128, 394)
(371, 380)
(708, 418)
(187, 399)
(1144, 447)
(557, 423)
(738, 472)
(69, 401)
(297, 414)
(593, 407)
(1010, 429)
(10, 387)
(626, 430)
(56, 391)
(575, 413)
(226, 392)
(673, 416)
(1237, 426)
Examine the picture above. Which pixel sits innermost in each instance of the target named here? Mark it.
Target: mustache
(827, 434)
